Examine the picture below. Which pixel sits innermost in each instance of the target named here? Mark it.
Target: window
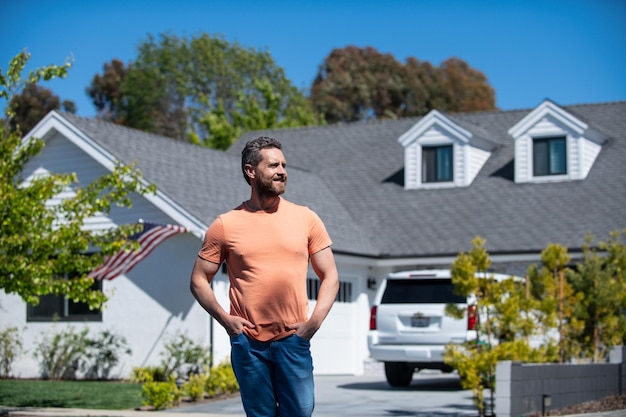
(437, 163)
(549, 156)
(420, 291)
(343, 296)
(59, 308)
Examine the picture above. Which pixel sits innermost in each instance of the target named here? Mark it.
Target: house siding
(476, 160)
(589, 151)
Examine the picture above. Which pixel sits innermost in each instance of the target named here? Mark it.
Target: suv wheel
(399, 374)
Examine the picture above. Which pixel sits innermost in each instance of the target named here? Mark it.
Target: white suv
(408, 325)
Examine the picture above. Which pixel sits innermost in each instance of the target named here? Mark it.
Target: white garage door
(334, 346)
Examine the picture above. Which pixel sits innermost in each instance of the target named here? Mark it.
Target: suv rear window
(421, 291)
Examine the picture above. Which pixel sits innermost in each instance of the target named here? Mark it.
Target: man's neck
(256, 203)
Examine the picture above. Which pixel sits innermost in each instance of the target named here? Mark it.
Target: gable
(579, 144)
(61, 155)
(69, 149)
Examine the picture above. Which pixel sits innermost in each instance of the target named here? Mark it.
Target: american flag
(149, 238)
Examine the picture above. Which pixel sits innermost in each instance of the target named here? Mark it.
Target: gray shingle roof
(207, 182)
(352, 176)
(363, 164)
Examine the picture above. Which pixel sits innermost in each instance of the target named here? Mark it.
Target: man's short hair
(251, 153)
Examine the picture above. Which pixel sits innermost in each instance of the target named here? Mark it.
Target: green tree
(358, 83)
(193, 89)
(32, 104)
(40, 243)
(555, 296)
(599, 283)
(106, 91)
(504, 323)
(355, 84)
(253, 113)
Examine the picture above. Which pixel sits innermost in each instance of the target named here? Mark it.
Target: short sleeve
(318, 236)
(213, 245)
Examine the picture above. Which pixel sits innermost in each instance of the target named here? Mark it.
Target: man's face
(271, 172)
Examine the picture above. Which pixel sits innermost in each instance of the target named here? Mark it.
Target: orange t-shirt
(267, 255)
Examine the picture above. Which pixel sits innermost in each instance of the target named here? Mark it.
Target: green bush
(221, 380)
(10, 348)
(195, 386)
(149, 374)
(102, 354)
(161, 395)
(183, 357)
(60, 353)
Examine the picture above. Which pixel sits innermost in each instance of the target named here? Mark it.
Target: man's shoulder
(298, 210)
(233, 212)
(289, 205)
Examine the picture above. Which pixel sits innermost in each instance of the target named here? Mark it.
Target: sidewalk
(74, 412)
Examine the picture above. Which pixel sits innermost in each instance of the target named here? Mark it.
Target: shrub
(183, 357)
(102, 354)
(60, 354)
(10, 348)
(194, 387)
(161, 395)
(221, 380)
(149, 374)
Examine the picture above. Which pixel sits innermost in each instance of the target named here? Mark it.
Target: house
(394, 195)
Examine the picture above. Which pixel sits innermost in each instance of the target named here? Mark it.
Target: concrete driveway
(431, 394)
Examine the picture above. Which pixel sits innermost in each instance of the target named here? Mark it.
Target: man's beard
(270, 188)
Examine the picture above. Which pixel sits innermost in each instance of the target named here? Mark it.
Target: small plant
(183, 357)
(102, 354)
(161, 395)
(60, 354)
(10, 348)
(145, 374)
(194, 387)
(221, 380)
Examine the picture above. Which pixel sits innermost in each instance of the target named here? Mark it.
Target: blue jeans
(275, 378)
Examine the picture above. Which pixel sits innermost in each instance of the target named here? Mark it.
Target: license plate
(420, 321)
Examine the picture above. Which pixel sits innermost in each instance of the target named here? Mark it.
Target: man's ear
(249, 170)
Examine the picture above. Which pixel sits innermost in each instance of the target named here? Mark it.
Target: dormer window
(549, 156)
(437, 164)
(552, 144)
(442, 152)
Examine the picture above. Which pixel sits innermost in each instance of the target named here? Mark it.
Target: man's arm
(201, 276)
(323, 263)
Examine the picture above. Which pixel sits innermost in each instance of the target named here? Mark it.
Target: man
(267, 243)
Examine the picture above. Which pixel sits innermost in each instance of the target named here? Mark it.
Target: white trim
(440, 260)
(431, 119)
(544, 109)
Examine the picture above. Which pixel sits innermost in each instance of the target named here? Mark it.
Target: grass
(105, 395)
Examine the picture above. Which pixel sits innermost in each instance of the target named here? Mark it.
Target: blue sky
(570, 51)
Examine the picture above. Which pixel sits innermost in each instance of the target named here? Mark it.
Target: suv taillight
(373, 318)
(471, 317)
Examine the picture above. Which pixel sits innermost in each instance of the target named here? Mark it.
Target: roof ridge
(127, 130)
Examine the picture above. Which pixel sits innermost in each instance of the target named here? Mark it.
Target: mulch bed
(610, 403)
